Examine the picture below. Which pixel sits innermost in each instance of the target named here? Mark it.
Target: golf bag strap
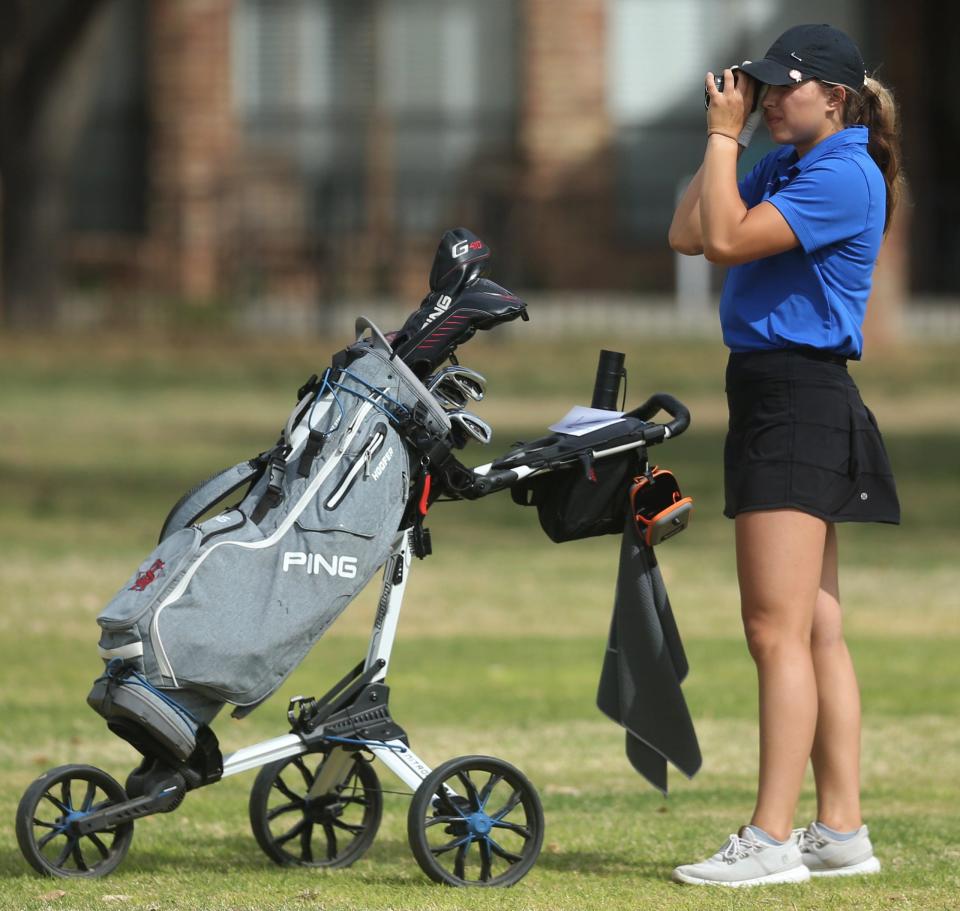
(308, 394)
(207, 494)
(311, 449)
(273, 495)
(311, 385)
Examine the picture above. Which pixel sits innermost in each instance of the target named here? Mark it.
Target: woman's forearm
(685, 236)
(721, 207)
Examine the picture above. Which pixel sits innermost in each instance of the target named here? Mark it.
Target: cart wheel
(51, 803)
(482, 801)
(326, 830)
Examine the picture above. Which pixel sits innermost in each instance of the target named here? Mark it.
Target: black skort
(801, 438)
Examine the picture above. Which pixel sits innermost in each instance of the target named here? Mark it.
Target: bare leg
(836, 745)
(779, 564)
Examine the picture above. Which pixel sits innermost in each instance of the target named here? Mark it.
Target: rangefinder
(718, 82)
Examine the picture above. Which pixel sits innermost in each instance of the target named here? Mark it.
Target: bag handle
(379, 339)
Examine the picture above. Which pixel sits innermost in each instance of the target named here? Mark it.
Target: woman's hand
(729, 109)
(731, 234)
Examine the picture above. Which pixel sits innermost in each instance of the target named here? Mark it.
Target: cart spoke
(502, 852)
(450, 804)
(304, 771)
(65, 794)
(471, 789)
(284, 808)
(88, 797)
(306, 851)
(287, 792)
(60, 806)
(46, 825)
(485, 859)
(78, 857)
(331, 841)
(293, 833)
(101, 847)
(487, 790)
(460, 860)
(50, 836)
(450, 845)
(509, 806)
(436, 820)
(513, 827)
(65, 853)
(347, 827)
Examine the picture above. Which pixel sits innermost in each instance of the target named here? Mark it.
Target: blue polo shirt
(834, 198)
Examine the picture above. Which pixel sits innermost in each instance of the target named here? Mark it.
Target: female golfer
(801, 234)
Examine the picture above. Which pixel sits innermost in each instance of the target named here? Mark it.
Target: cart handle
(662, 401)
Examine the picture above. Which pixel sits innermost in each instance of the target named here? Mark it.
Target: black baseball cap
(809, 52)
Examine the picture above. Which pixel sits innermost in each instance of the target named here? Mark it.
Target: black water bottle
(606, 387)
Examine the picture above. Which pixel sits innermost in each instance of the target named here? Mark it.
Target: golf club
(469, 382)
(466, 424)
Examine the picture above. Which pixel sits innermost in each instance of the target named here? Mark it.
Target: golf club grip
(662, 401)
(494, 481)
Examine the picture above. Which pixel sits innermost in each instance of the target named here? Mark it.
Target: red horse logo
(145, 578)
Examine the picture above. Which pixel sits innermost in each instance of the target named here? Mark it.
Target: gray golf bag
(224, 610)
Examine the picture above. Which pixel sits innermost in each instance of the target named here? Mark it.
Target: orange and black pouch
(659, 509)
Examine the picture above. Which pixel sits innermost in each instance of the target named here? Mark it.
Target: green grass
(501, 640)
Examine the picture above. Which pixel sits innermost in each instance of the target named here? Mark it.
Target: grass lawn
(501, 640)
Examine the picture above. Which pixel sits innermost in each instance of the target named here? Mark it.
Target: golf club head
(467, 426)
(461, 258)
(468, 382)
(449, 397)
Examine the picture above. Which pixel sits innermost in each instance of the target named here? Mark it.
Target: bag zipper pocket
(371, 447)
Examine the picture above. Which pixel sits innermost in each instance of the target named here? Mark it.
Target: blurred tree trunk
(48, 56)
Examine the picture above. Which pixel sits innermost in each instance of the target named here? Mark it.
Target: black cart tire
(496, 808)
(52, 801)
(332, 830)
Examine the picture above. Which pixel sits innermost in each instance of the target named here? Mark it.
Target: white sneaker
(826, 856)
(746, 861)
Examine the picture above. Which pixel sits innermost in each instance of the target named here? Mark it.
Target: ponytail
(874, 107)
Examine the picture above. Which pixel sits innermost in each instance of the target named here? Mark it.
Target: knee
(827, 631)
(769, 640)
(826, 637)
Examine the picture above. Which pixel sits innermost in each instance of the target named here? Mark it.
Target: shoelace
(807, 840)
(737, 848)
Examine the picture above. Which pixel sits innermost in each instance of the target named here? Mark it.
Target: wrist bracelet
(721, 133)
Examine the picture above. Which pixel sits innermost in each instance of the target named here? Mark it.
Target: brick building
(307, 150)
